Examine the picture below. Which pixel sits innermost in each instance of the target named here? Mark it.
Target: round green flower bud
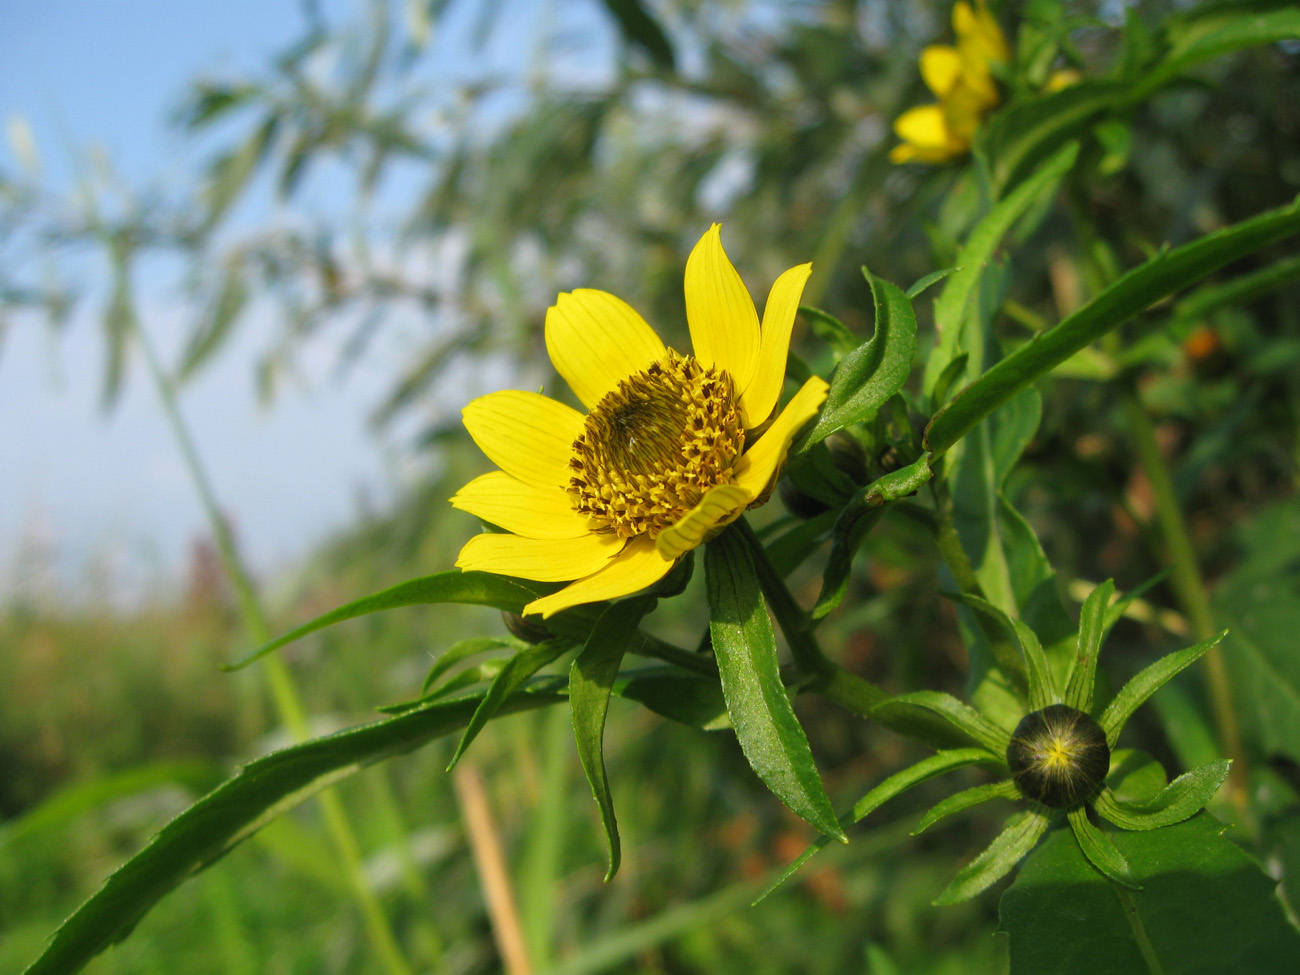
(1058, 756)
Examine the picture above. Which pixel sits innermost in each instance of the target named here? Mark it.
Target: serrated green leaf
(1136, 291)
(509, 679)
(966, 799)
(1180, 799)
(958, 714)
(1020, 834)
(865, 378)
(1092, 627)
(745, 647)
(590, 679)
(1204, 906)
(1145, 683)
(1099, 850)
(262, 790)
(896, 784)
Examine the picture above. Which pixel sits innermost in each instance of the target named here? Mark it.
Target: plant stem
(1189, 587)
(285, 696)
(1145, 948)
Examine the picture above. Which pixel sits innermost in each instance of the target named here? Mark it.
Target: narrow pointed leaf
(896, 784)
(966, 799)
(745, 646)
(515, 671)
(457, 652)
(590, 678)
(1017, 838)
(934, 277)
(259, 792)
(1145, 683)
(1042, 690)
(1180, 799)
(1000, 632)
(1117, 609)
(958, 714)
(1099, 850)
(679, 696)
(1092, 627)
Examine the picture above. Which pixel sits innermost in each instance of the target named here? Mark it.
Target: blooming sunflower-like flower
(672, 449)
(962, 81)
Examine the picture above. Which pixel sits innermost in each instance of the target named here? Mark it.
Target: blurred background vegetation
(454, 215)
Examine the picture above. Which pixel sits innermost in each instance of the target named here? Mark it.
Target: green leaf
(1145, 683)
(261, 790)
(967, 799)
(953, 308)
(686, 698)
(830, 330)
(590, 678)
(1000, 633)
(1181, 799)
(228, 302)
(896, 784)
(1020, 834)
(1099, 850)
(745, 646)
(1042, 690)
(509, 679)
(958, 714)
(1136, 291)
(1204, 906)
(457, 652)
(1092, 627)
(865, 378)
(934, 277)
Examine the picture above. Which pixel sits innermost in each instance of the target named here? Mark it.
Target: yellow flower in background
(669, 452)
(962, 79)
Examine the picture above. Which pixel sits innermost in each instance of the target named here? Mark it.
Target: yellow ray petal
(527, 435)
(924, 127)
(978, 29)
(940, 67)
(509, 503)
(544, 560)
(595, 340)
(720, 506)
(637, 566)
(758, 399)
(719, 311)
(760, 464)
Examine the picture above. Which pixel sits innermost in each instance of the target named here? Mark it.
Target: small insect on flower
(669, 452)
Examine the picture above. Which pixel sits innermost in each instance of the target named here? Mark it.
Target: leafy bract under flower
(668, 453)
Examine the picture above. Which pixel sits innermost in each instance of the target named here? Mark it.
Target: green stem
(287, 702)
(1188, 586)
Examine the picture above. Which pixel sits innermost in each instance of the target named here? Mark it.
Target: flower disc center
(652, 447)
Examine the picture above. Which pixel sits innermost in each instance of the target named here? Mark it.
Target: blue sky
(87, 497)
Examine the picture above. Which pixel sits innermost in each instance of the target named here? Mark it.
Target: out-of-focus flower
(1062, 78)
(961, 78)
(669, 452)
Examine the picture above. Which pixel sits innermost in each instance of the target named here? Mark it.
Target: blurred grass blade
(1017, 838)
(1180, 799)
(1092, 628)
(1146, 682)
(590, 678)
(1133, 293)
(228, 302)
(745, 646)
(1099, 850)
(261, 790)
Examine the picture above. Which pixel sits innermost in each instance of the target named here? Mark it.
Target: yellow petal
(940, 67)
(760, 464)
(924, 127)
(595, 340)
(758, 399)
(720, 506)
(978, 28)
(637, 566)
(527, 435)
(509, 503)
(719, 311)
(540, 559)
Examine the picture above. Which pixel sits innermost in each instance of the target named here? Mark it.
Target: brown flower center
(652, 448)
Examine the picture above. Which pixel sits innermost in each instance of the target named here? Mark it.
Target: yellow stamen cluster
(652, 448)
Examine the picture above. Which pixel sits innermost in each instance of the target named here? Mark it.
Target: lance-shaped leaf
(1180, 799)
(509, 679)
(261, 790)
(679, 696)
(1092, 627)
(1017, 838)
(745, 646)
(1000, 632)
(966, 799)
(896, 784)
(1168, 272)
(1120, 606)
(1099, 850)
(1145, 683)
(590, 678)
(960, 715)
(463, 650)
(865, 378)
(1042, 691)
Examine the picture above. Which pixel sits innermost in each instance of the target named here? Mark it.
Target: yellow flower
(669, 452)
(962, 79)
